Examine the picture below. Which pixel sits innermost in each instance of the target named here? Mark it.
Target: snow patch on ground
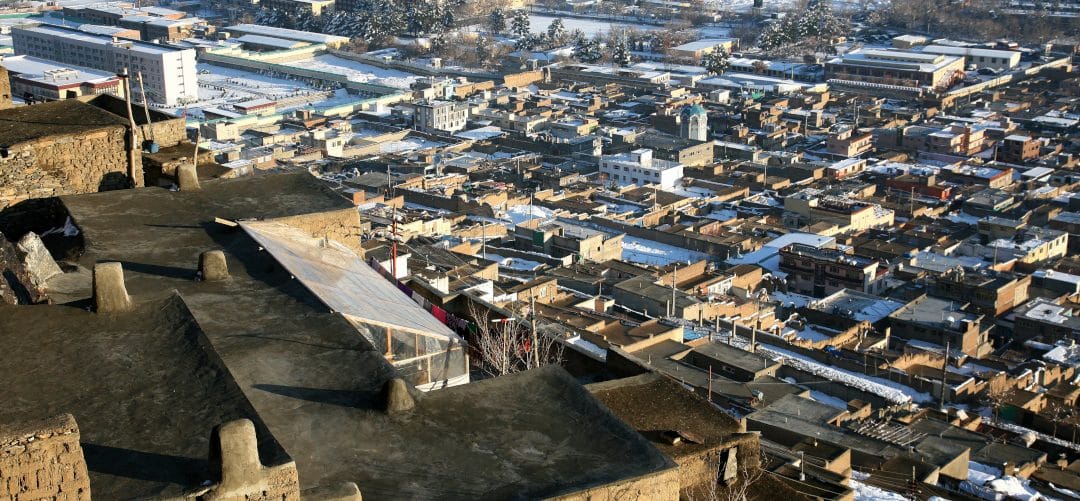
(1015, 428)
(829, 400)
(513, 263)
(864, 492)
(723, 215)
(406, 145)
(521, 213)
(988, 482)
(639, 250)
(889, 390)
(588, 347)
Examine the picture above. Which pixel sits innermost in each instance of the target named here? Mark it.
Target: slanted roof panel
(341, 280)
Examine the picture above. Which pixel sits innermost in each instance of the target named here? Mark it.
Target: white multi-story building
(445, 116)
(640, 168)
(168, 74)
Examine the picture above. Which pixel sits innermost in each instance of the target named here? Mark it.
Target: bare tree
(505, 346)
(996, 399)
(736, 489)
(1057, 412)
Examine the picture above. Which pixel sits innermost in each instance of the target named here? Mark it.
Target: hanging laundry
(439, 313)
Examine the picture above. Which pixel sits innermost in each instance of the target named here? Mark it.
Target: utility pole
(944, 372)
(709, 396)
(914, 484)
(753, 339)
(532, 327)
(393, 241)
(389, 184)
(483, 239)
(802, 468)
(912, 200)
(673, 289)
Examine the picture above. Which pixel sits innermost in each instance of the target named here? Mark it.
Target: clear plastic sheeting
(426, 352)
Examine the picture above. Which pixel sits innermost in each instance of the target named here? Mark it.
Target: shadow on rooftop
(266, 337)
(260, 265)
(176, 226)
(159, 270)
(146, 466)
(345, 398)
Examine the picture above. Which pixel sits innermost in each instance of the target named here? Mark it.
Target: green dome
(696, 109)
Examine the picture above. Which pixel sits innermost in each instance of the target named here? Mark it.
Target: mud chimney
(110, 293)
(212, 266)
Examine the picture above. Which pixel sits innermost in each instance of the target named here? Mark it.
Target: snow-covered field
(357, 71)
(539, 24)
(771, 5)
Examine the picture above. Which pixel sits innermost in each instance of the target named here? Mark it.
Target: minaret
(694, 123)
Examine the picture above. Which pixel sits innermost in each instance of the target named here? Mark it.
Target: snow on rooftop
(52, 72)
(588, 347)
(1057, 275)
(357, 71)
(988, 482)
(513, 263)
(521, 213)
(304, 36)
(810, 239)
(889, 390)
(481, 133)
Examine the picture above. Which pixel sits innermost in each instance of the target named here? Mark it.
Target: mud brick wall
(659, 486)
(5, 90)
(523, 79)
(166, 133)
(85, 162)
(43, 461)
(343, 226)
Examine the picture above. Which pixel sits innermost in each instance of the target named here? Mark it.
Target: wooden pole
(146, 109)
(195, 156)
(133, 135)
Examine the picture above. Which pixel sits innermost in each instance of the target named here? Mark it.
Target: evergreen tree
(497, 21)
(483, 50)
(271, 17)
(341, 23)
(556, 32)
(620, 50)
(519, 25)
(305, 21)
(716, 62)
(777, 34)
(587, 50)
(527, 42)
(446, 11)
